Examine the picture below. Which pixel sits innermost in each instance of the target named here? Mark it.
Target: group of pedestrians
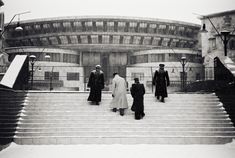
(119, 90)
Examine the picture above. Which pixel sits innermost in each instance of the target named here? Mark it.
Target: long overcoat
(96, 84)
(137, 92)
(161, 81)
(119, 87)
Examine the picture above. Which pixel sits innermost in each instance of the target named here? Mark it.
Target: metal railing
(60, 78)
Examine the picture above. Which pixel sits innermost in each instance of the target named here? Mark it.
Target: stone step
(131, 129)
(122, 133)
(9, 112)
(116, 121)
(148, 97)
(9, 116)
(67, 118)
(85, 93)
(123, 125)
(147, 104)
(13, 120)
(5, 108)
(12, 105)
(149, 116)
(105, 108)
(7, 134)
(69, 100)
(123, 140)
(157, 112)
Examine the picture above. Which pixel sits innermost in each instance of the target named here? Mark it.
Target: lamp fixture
(18, 27)
(47, 56)
(225, 33)
(203, 30)
(183, 59)
(32, 59)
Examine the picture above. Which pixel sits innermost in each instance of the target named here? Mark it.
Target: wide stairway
(67, 118)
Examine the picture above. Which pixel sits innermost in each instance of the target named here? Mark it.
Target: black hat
(136, 79)
(115, 73)
(161, 65)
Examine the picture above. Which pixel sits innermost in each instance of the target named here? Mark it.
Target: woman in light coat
(119, 94)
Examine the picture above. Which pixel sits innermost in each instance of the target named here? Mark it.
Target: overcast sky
(181, 10)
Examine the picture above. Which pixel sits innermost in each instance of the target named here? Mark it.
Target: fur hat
(97, 66)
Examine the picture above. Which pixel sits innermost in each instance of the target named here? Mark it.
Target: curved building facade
(131, 46)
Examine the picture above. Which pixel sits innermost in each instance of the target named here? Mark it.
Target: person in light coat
(119, 94)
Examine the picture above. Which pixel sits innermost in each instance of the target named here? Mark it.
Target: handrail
(17, 74)
(222, 74)
(225, 80)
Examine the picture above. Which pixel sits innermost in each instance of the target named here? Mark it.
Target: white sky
(181, 10)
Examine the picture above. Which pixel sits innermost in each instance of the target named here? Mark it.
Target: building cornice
(217, 14)
(105, 18)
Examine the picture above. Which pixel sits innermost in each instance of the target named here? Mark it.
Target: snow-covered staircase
(11, 104)
(67, 118)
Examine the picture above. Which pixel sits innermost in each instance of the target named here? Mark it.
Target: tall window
(132, 26)
(94, 39)
(213, 43)
(116, 39)
(157, 57)
(99, 25)
(152, 28)
(84, 39)
(88, 25)
(110, 26)
(105, 39)
(72, 76)
(143, 27)
(54, 57)
(121, 26)
(49, 74)
(71, 58)
(139, 59)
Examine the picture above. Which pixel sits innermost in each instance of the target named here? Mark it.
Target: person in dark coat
(96, 84)
(137, 92)
(161, 81)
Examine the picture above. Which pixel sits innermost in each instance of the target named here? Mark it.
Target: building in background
(3, 56)
(212, 44)
(133, 47)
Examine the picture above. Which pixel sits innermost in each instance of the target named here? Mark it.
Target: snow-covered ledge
(229, 64)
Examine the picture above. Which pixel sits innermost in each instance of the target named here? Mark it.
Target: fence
(76, 78)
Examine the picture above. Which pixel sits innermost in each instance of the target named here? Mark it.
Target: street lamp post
(225, 40)
(32, 61)
(51, 77)
(48, 57)
(18, 28)
(183, 62)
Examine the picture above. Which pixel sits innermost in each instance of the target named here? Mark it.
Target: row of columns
(102, 39)
(108, 26)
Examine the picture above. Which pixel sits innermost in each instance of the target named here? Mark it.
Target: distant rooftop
(218, 14)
